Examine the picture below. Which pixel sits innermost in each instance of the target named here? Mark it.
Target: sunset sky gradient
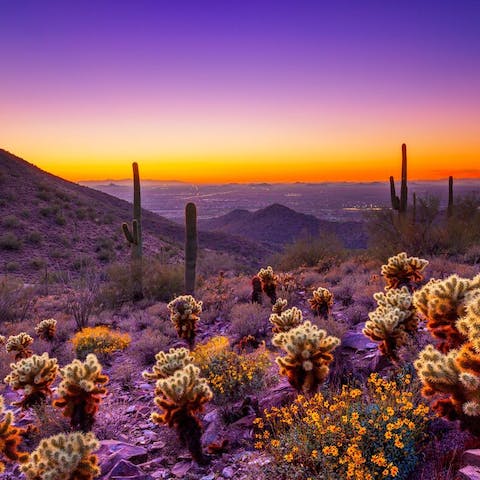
(221, 91)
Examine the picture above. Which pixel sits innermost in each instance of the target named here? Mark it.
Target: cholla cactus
(184, 314)
(46, 329)
(287, 320)
(3, 340)
(81, 391)
(443, 302)
(401, 270)
(279, 306)
(10, 437)
(167, 363)
(321, 302)
(33, 375)
(309, 353)
(180, 398)
(269, 283)
(392, 322)
(20, 344)
(64, 457)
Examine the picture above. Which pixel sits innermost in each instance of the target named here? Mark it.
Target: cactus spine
(191, 247)
(134, 237)
(400, 204)
(450, 196)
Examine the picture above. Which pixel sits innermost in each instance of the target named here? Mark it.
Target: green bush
(9, 241)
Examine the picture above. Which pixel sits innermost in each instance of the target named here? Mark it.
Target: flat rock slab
(469, 473)
(357, 341)
(471, 457)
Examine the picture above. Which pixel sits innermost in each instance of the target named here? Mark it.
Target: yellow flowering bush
(357, 434)
(231, 375)
(99, 340)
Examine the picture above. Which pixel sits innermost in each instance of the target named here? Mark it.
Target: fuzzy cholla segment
(3, 340)
(184, 314)
(20, 344)
(64, 457)
(443, 302)
(184, 391)
(10, 437)
(403, 270)
(167, 363)
(321, 302)
(46, 329)
(286, 320)
(308, 355)
(392, 321)
(279, 306)
(33, 375)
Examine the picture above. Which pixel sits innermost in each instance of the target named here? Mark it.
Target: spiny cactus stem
(450, 196)
(126, 232)
(404, 189)
(191, 247)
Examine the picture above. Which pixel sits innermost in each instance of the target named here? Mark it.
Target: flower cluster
(362, 435)
(231, 375)
(99, 340)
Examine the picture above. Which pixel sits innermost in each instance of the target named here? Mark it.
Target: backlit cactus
(308, 356)
(3, 340)
(279, 306)
(321, 302)
(257, 295)
(134, 238)
(46, 329)
(34, 375)
(180, 398)
(64, 457)
(401, 270)
(286, 320)
(184, 314)
(81, 391)
(10, 437)
(392, 322)
(167, 363)
(269, 283)
(443, 302)
(191, 247)
(20, 344)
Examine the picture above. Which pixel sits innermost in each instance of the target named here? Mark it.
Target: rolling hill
(47, 222)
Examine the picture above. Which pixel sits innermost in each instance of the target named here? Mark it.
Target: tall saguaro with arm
(134, 237)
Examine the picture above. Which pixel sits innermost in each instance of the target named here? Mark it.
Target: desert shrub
(12, 267)
(322, 251)
(354, 434)
(9, 241)
(82, 301)
(230, 375)
(99, 340)
(34, 238)
(249, 319)
(104, 248)
(10, 221)
(148, 345)
(16, 300)
(160, 282)
(37, 263)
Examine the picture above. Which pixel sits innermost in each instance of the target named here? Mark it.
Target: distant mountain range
(278, 225)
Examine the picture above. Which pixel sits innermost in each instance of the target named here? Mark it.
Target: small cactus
(64, 457)
(81, 392)
(180, 398)
(279, 306)
(257, 296)
(184, 314)
(167, 363)
(46, 329)
(286, 320)
(10, 437)
(442, 303)
(393, 321)
(3, 340)
(20, 344)
(269, 283)
(309, 354)
(34, 375)
(321, 302)
(401, 270)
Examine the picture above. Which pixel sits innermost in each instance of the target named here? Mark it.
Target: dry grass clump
(249, 319)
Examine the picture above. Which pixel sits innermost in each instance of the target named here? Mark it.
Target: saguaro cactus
(191, 247)
(450, 196)
(134, 237)
(400, 204)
